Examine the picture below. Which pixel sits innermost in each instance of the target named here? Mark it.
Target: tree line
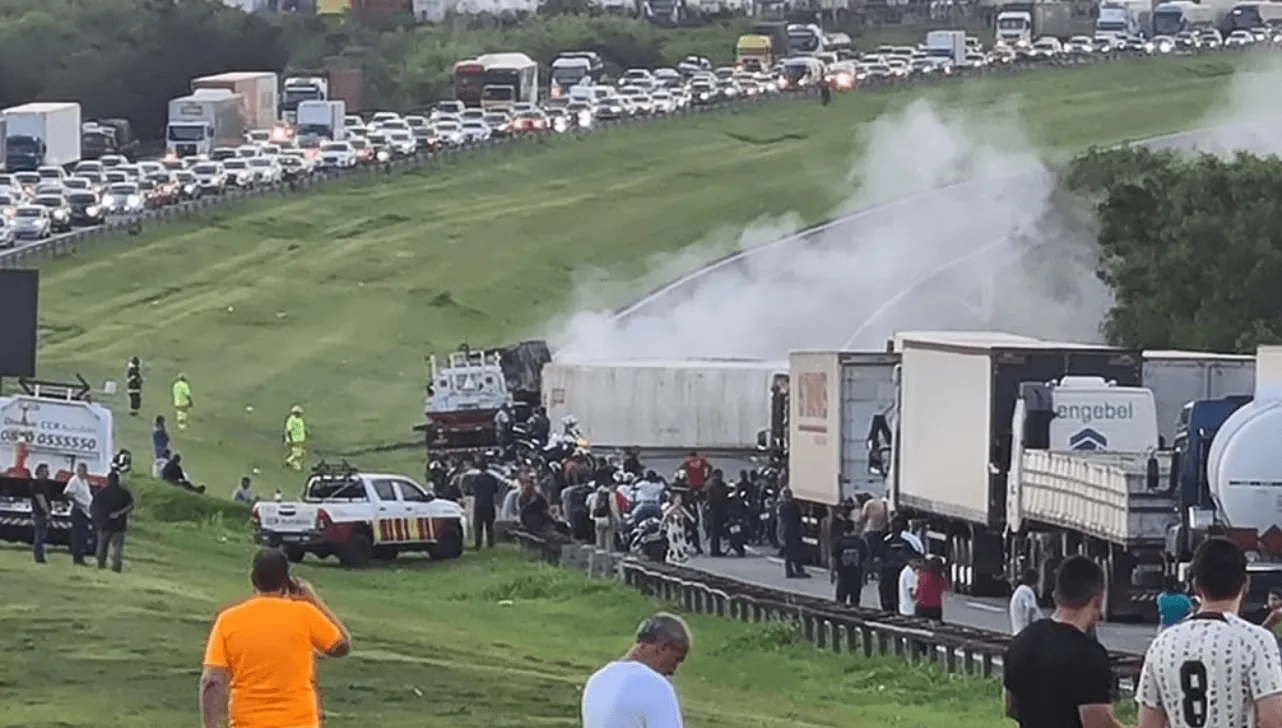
(1190, 244)
(127, 58)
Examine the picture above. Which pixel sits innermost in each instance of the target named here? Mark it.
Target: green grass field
(333, 299)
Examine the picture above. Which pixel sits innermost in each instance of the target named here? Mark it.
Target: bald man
(634, 690)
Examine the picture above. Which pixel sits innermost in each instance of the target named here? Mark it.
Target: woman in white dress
(676, 528)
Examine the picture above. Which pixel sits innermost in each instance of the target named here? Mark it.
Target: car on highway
(531, 121)
(1046, 48)
(639, 97)
(500, 124)
(52, 174)
(1079, 45)
(582, 114)
(188, 184)
(239, 173)
(449, 131)
(111, 161)
(222, 154)
(86, 208)
(248, 151)
(402, 142)
(337, 155)
(31, 222)
(48, 188)
(476, 132)
(1239, 39)
(7, 239)
(59, 212)
(291, 167)
(123, 198)
(26, 182)
(8, 202)
(266, 170)
(366, 153)
(211, 177)
(378, 146)
(77, 183)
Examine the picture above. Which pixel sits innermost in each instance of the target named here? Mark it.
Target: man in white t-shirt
(634, 692)
(77, 491)
(1023, 603)
(907, 583)
(1213, 669)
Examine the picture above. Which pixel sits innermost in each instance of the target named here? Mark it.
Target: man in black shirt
(41, 488)
(1055, 675)
(849, 555)
(485, 490)
(110, 509)
(717, 494)
(133, 385)
(535, 515)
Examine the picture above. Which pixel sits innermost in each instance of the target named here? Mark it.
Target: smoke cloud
(995, 252)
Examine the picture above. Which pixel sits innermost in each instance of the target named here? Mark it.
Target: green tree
(1191, 246)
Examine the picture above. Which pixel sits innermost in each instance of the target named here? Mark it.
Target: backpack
(852, 556)
(896, 552)
(601, 508)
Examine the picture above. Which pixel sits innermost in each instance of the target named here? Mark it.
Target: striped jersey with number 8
(1209, 671)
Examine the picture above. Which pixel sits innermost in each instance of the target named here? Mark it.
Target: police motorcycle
(641, 529)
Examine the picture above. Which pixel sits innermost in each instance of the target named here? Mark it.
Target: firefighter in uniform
(295, 439)
(133, 385)
(182, 401)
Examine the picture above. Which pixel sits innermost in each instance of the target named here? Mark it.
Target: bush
(1191, 246)
(128, 58)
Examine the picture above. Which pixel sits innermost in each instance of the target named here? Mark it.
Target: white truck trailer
(40, 134)
(259, 95)
(317, 120)
(1180, 377)
(701, 403)
(203, 121)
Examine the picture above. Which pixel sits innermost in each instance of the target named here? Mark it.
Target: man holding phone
(259, 662)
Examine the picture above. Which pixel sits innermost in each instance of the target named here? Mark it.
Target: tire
(294, 553)
(448, 546)
(357, 552)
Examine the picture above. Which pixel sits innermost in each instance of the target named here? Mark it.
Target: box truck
(316, 120)
(204, 121)
(259, 97)
(1021, 23)
(41, 134)
(703, 403)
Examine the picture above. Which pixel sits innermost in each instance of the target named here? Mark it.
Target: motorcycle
(647, 540)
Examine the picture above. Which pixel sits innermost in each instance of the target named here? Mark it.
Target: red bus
(469, 78)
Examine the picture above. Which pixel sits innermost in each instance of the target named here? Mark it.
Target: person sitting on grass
(174, 474)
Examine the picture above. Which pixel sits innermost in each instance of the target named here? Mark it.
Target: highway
(928, 299)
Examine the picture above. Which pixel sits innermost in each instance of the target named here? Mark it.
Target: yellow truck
(754, 53)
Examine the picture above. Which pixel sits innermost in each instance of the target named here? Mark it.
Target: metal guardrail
(68, 243)
(823, 623)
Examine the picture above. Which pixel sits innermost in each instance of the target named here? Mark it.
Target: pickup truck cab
(359, 517)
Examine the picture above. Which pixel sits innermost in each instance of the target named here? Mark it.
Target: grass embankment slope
(333, 299)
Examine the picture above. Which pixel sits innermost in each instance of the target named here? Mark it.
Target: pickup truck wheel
(357, 552)
(448, 546)
(294, 553)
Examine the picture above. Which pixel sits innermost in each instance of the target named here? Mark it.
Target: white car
(337, 155)
(1079, 45)
(450, 132)
(1239, 39)
(123, 198)
(52, 174)
(32, 222)
(265, 169)
(147, 169)
(88, 165)
(402, 143)
(475, 132)
(248, 151)
(639, 98)
(6, 233)
(383, 117)
(663, 101)
(210, 176)
(239, 173)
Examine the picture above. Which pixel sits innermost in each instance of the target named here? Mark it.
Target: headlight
(60, 214)
(93, 210)
(382, 156)
(133, 200)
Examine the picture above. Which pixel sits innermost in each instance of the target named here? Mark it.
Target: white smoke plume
(1250, 118)
(942, 261)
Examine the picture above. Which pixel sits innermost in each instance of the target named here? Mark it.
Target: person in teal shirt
(1173, 605)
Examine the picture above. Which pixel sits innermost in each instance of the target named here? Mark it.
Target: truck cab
(359, 517)
(299, 89)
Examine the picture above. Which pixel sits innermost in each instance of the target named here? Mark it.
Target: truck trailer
(701, 403)
(259, 96)
(41, 134)
(203, 121)
(1021, 23)
(318, 120)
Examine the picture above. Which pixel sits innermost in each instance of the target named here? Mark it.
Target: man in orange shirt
(259, 662)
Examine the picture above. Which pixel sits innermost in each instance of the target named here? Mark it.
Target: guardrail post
(950, 658)
(985, 665)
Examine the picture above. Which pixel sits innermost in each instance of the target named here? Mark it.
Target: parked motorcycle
(647, 540)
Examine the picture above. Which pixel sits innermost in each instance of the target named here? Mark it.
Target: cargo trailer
(44, 133)
(701, 403)
(1180, 377)
(259, 95)
(203, 121)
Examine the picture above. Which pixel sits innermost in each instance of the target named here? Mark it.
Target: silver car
(6, 232)
(32, 222)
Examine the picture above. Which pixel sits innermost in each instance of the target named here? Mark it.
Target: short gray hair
(663, 628)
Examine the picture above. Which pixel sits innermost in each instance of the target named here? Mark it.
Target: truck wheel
(294, 553)
(386, 553)
(357, 552)
(448, 546)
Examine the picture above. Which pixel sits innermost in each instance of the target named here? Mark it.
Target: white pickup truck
(359, 517)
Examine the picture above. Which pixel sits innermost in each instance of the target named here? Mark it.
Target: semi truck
(318, 120)
(41, 134)
(947, 46)
(702, 403)
(1019, 24)
(203, 121)
(259, 97)
(99, 137)
(1170, 18)
(336, 82)
(930, 423)
(1124, 18)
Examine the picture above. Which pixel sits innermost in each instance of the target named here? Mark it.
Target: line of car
(38, 205)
